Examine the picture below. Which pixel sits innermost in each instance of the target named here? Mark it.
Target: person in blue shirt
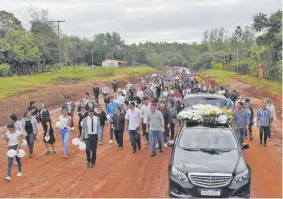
(250, 111)
(263, 120)
(229, 103)
(241, 122)
(111, 108)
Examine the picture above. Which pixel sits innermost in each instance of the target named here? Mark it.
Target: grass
(13, 85)
(221, 76)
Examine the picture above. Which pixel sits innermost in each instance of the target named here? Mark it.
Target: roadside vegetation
(225, 77)
(35, 50)
(13, 85)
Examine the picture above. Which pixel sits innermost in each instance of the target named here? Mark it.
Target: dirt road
(121, 174)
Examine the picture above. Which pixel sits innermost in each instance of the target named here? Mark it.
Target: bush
(4, 70)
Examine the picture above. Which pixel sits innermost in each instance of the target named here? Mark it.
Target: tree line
(37, 49)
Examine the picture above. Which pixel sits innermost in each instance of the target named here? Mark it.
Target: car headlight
(245, 175)
(178, 174)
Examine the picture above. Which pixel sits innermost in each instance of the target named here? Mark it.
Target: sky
(145, 20)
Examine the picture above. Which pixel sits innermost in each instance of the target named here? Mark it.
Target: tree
(20, 48)
(8, 22)
(8, 19)
(44, 30)
(141, 57)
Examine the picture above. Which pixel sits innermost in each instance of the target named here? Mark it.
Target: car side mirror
(170, 143)
(245, 146)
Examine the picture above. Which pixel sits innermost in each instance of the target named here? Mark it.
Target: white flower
(200, 112)
(222, 119)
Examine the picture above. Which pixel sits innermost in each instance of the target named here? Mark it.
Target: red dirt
(118, 174)
(266, 163)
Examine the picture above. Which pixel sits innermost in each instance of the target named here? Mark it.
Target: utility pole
(133, 60)
(58, 25)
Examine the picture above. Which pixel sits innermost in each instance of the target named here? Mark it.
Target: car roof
(205, 95)
(207, 127)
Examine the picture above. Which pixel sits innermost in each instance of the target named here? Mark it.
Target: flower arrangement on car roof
(207, 114)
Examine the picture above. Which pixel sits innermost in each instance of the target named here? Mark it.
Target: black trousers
(96, 96)
(249, 130)
(91, 147)
(172, 129)
(144, 132)
(135, 139)
(263, 132)
(119, 137)
(80, 129)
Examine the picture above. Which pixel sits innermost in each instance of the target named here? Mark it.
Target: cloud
(142, 20)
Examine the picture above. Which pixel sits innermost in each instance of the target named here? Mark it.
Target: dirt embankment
(51, 95)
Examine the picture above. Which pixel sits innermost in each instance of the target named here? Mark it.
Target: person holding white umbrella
(90, 128)
(14, 138)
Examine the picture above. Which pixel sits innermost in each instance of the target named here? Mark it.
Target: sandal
(54, 152)
(47, 153)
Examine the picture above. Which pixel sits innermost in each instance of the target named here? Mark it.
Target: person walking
(103, 121)
(120, 100)
(229, 103)
(145, 110)
(81, 115)
(33, 109)
(173, 113)
(96, 92)
(16, 122)
(155, 127)
(90, 105)
(271, 107)
(87, 98)
(14, 140)
(70, 105)
(30, 125)
(133, 120)
(263, 120)
(64, 129)
(119, 126)
(241, 122)
(105, 91)
(91, 127)
(250, 124)
(111, 108)
(114, 86)
(48, 132)
(167, 120)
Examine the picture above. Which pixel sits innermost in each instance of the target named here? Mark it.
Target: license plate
(210, 192)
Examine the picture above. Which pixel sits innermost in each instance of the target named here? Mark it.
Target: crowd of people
(146, 109)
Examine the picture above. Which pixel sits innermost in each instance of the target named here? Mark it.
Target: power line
(58, 25)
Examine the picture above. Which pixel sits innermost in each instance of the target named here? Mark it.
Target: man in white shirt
(90, 128)
(120, 99)
(273, 118)
(129, 86)
(105, 91)
(133, 119)
(145, 110)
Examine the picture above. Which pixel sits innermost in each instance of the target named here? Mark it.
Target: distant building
(110, 63)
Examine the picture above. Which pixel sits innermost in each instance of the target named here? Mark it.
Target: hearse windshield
(207, 138)
(189, 102)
